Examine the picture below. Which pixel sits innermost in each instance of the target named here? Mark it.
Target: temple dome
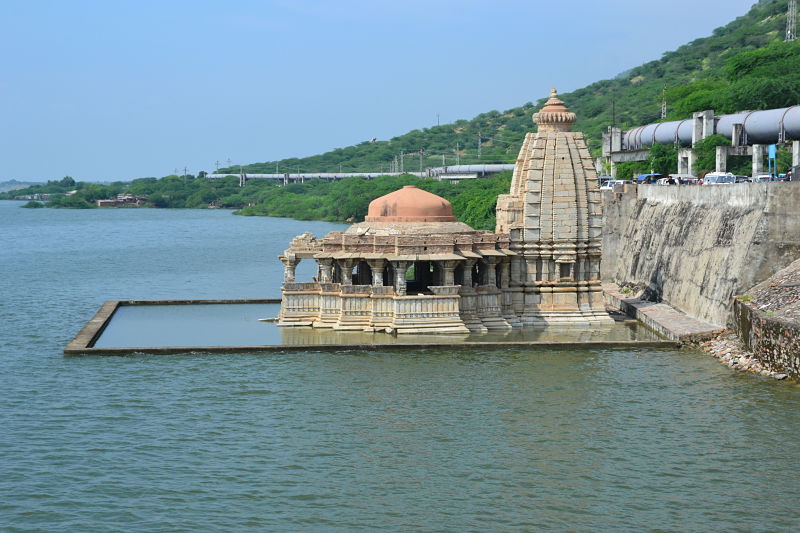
(554, 116)
(410, 204)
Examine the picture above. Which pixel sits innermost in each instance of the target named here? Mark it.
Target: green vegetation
(33, 205)
(473, 200)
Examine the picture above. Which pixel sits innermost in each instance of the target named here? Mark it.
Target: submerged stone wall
(696, 247)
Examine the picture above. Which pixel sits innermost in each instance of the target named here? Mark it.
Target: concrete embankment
(695, 248)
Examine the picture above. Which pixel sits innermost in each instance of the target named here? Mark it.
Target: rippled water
(428, 441)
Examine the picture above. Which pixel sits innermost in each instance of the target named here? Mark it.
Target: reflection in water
(239, 325)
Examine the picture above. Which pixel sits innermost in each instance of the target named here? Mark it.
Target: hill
(691, 75)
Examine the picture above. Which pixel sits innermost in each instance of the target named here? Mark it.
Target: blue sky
(104, 90)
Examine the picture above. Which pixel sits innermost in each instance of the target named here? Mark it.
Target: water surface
(434, 440)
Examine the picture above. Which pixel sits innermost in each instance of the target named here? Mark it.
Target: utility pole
(479, 144)
(185, 171)
(421, 153)
(443, 163)
(402, 161)
(216, 164)
(791, 21)
(276, 168)
(458, 156)
(437, 119)
(664, 102)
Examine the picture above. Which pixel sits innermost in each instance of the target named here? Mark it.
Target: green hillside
(696, 76)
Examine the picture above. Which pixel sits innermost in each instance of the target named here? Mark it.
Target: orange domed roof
(410, 204)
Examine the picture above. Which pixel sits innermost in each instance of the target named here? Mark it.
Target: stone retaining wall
(773, 341)
(696, 247)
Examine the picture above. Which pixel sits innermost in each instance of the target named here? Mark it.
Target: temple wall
(696, 247)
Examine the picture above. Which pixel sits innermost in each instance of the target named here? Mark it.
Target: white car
(719, 178)
(609, 185)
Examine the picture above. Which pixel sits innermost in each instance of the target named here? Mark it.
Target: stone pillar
(289, 266)
(722, 159)
(613, 169)
(346, 266)
(377, 266)
(505, 273)
(795, 153)
(400, 268)
(448, 272)
(758, 159)
(467, 266)
(325, 270)
(491, 272)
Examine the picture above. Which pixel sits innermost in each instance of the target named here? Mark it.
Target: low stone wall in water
(775, 342)
(696, 247)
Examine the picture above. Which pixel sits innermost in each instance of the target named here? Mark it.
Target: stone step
(660, 317)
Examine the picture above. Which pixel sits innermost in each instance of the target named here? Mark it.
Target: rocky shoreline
(729, 350)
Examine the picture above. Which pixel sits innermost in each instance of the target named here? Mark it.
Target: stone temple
(411, 267)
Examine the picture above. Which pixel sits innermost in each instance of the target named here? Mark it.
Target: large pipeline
(759, 127)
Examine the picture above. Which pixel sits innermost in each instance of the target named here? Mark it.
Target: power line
(791, 21)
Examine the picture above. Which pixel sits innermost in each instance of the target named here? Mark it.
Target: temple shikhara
(411, 267)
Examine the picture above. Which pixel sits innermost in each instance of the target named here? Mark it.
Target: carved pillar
(467, 266)
(505, 273)
(448, 272)
(346, 266)
(325, 270)
(377, 266)
(490, 280)
(289, 266)
(400, 268)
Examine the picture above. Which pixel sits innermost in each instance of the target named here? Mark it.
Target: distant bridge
(452, 173)
(749, 131)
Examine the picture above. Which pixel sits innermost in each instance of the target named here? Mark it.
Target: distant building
(122, 200)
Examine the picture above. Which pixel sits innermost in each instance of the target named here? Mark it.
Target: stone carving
(410, 267)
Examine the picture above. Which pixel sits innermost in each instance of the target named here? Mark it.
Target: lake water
(139, 326)
(488, 440)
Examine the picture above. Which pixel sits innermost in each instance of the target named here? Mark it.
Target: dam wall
(696, 247)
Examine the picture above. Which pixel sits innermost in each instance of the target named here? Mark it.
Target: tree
(705, 154)
(663, 158)
(67, 181)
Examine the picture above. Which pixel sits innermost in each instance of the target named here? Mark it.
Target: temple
(411, 267)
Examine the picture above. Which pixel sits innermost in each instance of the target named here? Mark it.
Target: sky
(116, 90)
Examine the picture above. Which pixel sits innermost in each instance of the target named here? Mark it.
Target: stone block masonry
(775, 342)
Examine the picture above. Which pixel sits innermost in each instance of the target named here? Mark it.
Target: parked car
(684, 179)
(609, 184)
(719, 178)
(744, 179)
(764, 177)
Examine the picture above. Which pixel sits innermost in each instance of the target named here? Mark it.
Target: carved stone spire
(554, 116)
